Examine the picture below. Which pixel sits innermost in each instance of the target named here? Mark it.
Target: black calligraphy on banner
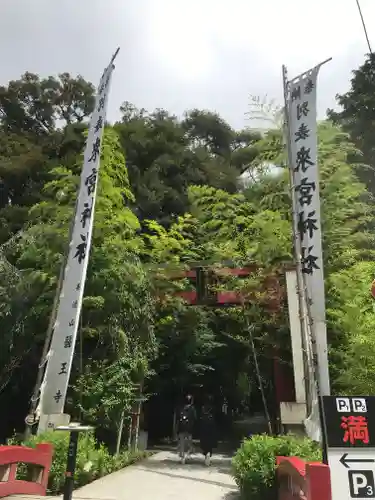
(81, 248)
(309, 260)
(95, 153)
(307, 219)
(78, 287)
(104, 84)
(302, 133)
(296, 93)
(305, 191)
(58, 396)
(302, 110)
(71, 322)
(99, 124)
(90, 181)
(63, 368)
(86, 213)
(303, 160)
(101, 103)
(68, 342)
(75, 304)
(307, 224)
(309, 86)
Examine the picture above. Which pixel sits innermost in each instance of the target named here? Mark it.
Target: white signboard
(56, 379)
(304, 166)
(352, 473)
(350, 438)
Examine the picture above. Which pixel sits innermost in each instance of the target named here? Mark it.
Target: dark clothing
(189, 412)
(208, 431)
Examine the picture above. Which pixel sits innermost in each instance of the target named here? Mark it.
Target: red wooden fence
(39, 464)
(299, 480)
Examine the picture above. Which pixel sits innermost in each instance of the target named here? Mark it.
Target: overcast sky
(180, 55)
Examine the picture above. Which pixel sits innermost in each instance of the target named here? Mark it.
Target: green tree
(347, 213)
(42, 121)
(117, 317)
(352, 316)
(165, 156)
(34, 106)
(356, 117)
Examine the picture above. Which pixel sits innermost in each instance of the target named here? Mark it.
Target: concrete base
(292, 413)
(50, 422)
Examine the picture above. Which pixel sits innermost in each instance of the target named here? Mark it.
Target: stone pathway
(162, 477)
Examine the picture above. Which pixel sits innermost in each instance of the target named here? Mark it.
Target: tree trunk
(119, 434)
(135, 417)
(174, 430)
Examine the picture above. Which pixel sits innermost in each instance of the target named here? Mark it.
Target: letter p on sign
(347, 405)
(361, 484)
(343, 405)
(359, 405)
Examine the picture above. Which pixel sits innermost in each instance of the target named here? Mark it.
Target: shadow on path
(220, 464)
(172, 468)
(191, 478)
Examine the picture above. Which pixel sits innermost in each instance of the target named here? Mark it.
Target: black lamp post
(74, 430)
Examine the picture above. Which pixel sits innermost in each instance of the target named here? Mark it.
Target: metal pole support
(74, 430)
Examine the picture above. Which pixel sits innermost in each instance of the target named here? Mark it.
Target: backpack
(184, 423)
(207, 415)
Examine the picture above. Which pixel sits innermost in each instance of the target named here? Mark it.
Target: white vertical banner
(303, 161)
(60, 356)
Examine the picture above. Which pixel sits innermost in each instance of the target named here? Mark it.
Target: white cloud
(181, 54)
(180, 40)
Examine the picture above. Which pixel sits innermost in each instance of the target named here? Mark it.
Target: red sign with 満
(356, 429)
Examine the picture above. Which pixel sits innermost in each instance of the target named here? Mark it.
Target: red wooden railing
(38, 461)
(299, 480)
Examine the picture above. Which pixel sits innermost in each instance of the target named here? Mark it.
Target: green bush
(254, 466)
(93, 460)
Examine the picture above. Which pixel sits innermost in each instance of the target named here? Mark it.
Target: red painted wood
(270, 295)
(190, 297)
(220, 271)
(230, 298)
(302, 480)
(318, 481)
(283, 381)
(40, 457)
(222, 298)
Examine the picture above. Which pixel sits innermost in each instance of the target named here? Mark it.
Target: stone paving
(162, 477)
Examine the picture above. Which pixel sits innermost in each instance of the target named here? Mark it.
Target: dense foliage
(254, 465)
(171, 195)
(356, 116)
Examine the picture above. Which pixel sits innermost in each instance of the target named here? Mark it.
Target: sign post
(350, 433)
(74, 430)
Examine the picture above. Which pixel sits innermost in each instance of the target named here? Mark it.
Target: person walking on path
(208, 431)
(186, 424)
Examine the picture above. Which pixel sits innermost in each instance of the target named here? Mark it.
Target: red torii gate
(272, 299)
(204, 277)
